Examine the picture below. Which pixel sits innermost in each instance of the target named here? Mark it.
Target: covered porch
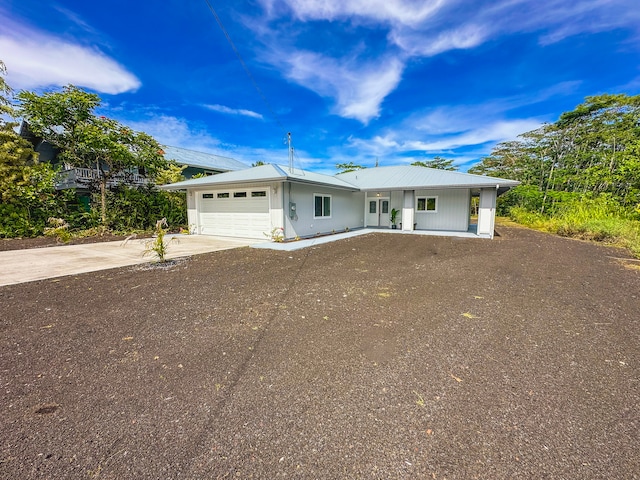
(432, 211)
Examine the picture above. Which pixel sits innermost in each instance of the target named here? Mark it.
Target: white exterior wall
(192, 214)
(487, 211)
(452, 210)
(346, 210)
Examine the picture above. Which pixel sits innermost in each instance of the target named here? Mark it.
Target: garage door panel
(250, 225)
(223, 213)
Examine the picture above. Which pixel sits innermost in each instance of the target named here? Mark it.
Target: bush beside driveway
(381, 356)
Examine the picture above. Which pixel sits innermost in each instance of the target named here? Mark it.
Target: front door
(378, 212)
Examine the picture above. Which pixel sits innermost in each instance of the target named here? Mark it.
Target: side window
(427, 204)
(322, 206)
(372, 206)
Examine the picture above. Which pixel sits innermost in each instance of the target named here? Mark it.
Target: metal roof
(378, 178)
(191, 158)
(408, 177)
(263, 173)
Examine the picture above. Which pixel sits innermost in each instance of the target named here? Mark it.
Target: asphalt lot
(381, 356)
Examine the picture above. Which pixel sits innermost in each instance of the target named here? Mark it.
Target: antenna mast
(290, 152)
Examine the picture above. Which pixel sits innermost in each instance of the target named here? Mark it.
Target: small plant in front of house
(276, 235)
(394, 217)
(59, 229)
(158, 246)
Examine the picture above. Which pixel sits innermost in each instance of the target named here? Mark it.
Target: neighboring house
(82, 178)
(252, 202)
(200, 162)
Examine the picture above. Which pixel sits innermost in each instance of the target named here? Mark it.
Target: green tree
(590, 151)
(437, 162)
(348, 167)
(26, 186)
(67, 120)
(259, 163)
(172, 173)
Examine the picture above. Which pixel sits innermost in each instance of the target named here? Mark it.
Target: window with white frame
(322, 206)
(427, 204)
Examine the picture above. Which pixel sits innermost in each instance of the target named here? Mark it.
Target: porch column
(408, 210)
(487, 211)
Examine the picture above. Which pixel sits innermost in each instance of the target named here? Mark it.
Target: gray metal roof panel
(408, 177)
(183, 156)
(263, 173)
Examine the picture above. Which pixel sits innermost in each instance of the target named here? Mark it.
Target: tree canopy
(67, 120)
(437, 162)
(591, 150)
(348, 167)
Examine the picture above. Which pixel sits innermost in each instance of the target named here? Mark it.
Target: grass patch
(593, 220)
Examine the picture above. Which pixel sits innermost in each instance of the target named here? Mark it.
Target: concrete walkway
(290, 246)
(19, 266)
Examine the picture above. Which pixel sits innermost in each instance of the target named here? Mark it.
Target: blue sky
(353, 80)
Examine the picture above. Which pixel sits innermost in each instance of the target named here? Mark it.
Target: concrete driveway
(19, 266)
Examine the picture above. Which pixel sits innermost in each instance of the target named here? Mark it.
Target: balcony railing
(85, 177)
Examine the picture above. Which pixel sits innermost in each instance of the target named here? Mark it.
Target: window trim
(323, 196)
(426, 199)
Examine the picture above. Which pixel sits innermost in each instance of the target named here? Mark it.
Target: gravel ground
(378, 357)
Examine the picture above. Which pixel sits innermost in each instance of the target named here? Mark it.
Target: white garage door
(234, 213)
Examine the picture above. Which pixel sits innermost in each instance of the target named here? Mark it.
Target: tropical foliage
(439, 163)
(580, 175)
(67, 120)
(30, 204)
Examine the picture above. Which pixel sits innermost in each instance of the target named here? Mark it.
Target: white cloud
(495, 132)
(176, 132)
(232, 111)
(416, 43)
(408, 12)
(179, 132)
(418, 29)
(358, 88)
(35, 59)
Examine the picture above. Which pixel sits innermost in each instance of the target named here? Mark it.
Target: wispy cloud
(359, 84)
(36, 59)
(232, 111)
(177, 132)
(358, 88)
(180, 132)
(407, 12)
(449, 130)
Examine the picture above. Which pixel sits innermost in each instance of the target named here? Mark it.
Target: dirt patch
(381, 356)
